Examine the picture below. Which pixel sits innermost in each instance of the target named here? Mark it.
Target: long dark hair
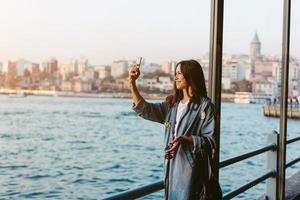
(193, 74)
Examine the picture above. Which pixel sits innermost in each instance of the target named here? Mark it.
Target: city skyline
(106, 31)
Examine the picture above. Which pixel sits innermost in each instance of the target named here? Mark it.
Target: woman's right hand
(134, 73)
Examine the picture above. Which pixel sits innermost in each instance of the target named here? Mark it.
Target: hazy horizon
(104, 31)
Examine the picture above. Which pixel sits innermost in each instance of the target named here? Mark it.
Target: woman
(188, 117)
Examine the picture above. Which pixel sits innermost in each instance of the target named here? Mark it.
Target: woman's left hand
(175, 143)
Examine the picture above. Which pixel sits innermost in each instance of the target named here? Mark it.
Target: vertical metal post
(215, 67)
(272, 166)
(284, 95)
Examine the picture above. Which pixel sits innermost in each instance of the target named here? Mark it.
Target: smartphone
(139, 62)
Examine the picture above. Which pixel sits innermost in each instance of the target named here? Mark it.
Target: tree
(155, 74)
(243, 86)
(12, 82)
(44, 75)
(27, 73)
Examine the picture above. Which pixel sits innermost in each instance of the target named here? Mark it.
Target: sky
(106, 30)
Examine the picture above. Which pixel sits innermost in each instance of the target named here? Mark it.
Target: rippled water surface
(76, 148)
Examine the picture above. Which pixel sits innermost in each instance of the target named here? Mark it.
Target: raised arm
(134, 73)
(151, 111)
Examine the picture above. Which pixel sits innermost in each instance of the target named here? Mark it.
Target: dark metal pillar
(283, 102)
(215, 68)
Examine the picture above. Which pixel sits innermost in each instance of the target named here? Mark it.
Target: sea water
(87, 148)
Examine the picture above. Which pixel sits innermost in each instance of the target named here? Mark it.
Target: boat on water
(242, 97)
(17, 95)
(253, 98)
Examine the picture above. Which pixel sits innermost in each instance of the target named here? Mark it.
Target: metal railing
(249, 185)
(289, 164)
(139, 192)
(272, 173)
(230, 161)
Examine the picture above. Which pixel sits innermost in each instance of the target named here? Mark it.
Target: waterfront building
(248, 71)
(234, 71)
(45, 85)
(149, 83)
(151, 67)
(65, 70)
(262, 86)
(66, 86)
(164, 83)
(121, 84)
(294, 76)
(104, 71)
(119, 68)
(28, 67)
(226, 83)
(237, 67)
(81, 66)
(44, 65)
(33, 68)
(12, 69)
(294, 86)
(21, 66)
(293, 71)
(106, 85)
(82, 86)
(50, 66)
(77, 85)
(264, 67)
(91, 74)
(2, 80)
(53, 66)
(168, 67)
(161, 83)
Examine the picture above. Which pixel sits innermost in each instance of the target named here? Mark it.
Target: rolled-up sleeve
(151, 111)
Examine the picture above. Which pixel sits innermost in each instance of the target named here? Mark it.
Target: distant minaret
(255, 47)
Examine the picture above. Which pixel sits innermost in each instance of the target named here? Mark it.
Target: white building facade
(119, 68)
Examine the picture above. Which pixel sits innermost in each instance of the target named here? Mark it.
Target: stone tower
(255, 48)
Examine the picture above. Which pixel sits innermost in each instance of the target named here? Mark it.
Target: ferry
(253, 98)
(17, 95)
(242, 97)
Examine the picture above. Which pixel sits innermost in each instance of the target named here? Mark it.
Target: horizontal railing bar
(292, 140)
(148, 189)
(249, 185)
(139, 192)
(292, 162)
(236, 159)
